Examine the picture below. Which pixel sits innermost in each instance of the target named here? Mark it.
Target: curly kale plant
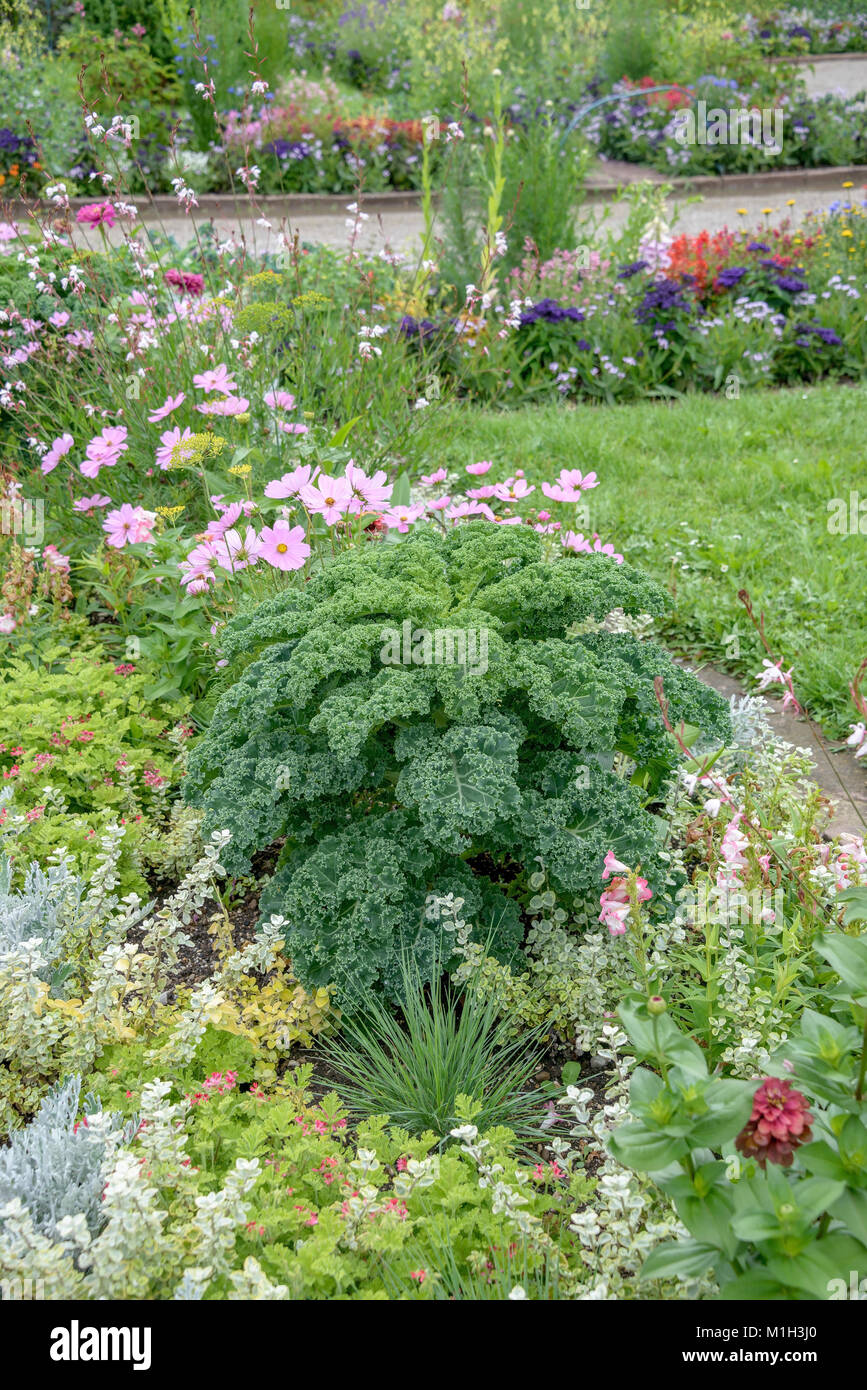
(424, 719)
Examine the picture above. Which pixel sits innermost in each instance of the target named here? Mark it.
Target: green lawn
(740, 491)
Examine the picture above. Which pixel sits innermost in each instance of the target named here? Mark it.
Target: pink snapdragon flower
(59, 448)
(169, 405)
(129, 525)
(283, 546)
(858, 739)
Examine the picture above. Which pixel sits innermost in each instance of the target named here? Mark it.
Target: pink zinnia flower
(215, 379)
(59, 448)
(283, 546)
(169, 404)
(96, 215)
(779, 1124)
(128, 525)
(186, 280)
(328, 497)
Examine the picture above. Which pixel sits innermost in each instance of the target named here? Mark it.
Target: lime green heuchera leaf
(422, 719)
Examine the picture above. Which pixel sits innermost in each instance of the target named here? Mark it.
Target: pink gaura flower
(129, 525)
(478, 468)
(96, 215)
(283, 546)
(59, 319)
(59, 448)
(170, 404)
(215, 379)
(328, 497)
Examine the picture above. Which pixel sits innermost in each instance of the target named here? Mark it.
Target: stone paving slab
(841, 776)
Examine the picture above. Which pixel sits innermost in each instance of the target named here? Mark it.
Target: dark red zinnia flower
(780, 1122)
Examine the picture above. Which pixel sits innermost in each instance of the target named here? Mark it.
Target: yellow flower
(171, 512)
(240, 470)
(767, 211)
(741, 212)
(790, 202)
(846, 232)
(848, 184)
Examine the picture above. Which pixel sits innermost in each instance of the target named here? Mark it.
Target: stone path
(841, 776)
(841, 75)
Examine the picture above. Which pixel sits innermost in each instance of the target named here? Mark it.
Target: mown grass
(711, 496)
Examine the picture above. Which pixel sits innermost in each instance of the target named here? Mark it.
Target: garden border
(238, 206)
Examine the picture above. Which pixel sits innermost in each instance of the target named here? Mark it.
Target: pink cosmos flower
(104, 450)
(129, 525)
(96, 215)
(169, 404)
(215, 379)
(231, 405)
(368, 494)
(431, 479)
(283, 546)
(512, 490)
(292, 427)
(59, 448)
(462, 509)
(508, 521)
(478, 468)
(328, 497)
(478, 494)
(440, 504)
(401, 518)
(280, 400)
(558, 493)
(574, 478)
(168, 440)
(88, 504)
(235, 553)
(290, 484)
